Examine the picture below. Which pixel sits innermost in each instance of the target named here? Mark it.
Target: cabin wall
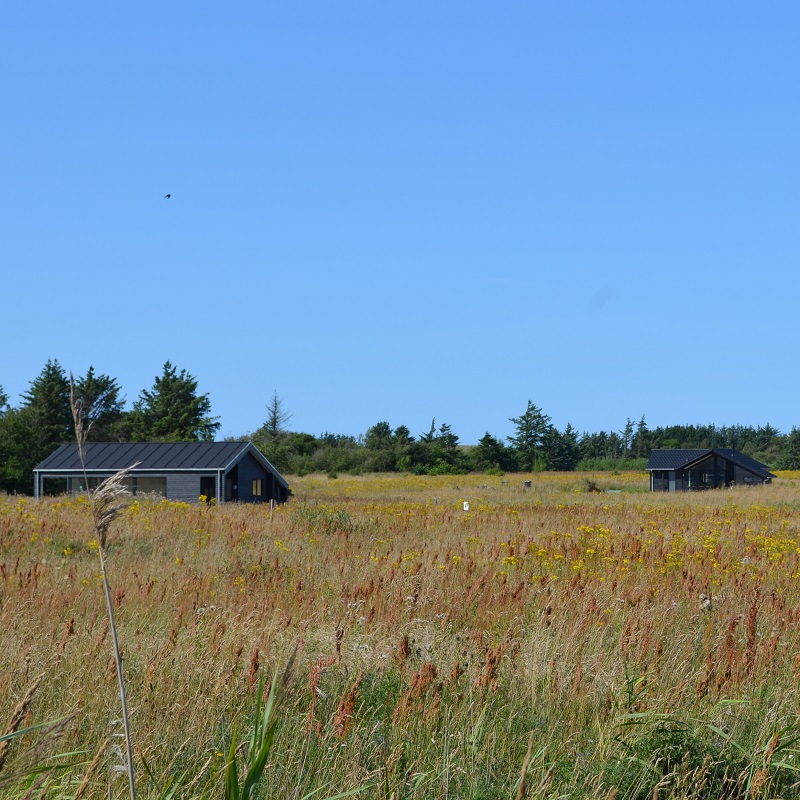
(184, 487)
(249, 471)
(744, 478)
(659, 480)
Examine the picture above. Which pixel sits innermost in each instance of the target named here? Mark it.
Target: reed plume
(16, 719)
(106, 502)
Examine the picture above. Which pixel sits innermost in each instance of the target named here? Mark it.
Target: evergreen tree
(642, 440)
(173, 411)
(47, 410)
(16, 463)
(427, 438)
(447, 443)
(626, 436)
(403, 442)
(561, 450)
(379, 437)
(790, 456)
(380, 446)
(277, 417)
(32, 432)
(765, 436)
(532, 427)
(272, 439)
(593, 445)
(491, 453)
(102, 407)
(4, 454)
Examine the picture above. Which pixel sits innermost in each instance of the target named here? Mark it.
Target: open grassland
(434, 644)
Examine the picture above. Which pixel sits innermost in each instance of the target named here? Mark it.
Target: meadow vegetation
(601, 640)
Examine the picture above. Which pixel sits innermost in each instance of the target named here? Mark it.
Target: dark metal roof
(153, 457)
(673, 459)
(745, 462)
(683, 459)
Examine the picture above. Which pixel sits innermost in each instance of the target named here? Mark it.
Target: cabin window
(78, 485)
(151, 486)
(257, 487)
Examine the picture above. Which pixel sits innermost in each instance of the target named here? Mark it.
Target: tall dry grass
(432, 641)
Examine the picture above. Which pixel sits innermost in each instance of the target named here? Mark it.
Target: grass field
(438, 650)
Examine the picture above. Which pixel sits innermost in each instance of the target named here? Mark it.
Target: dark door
(208, 487)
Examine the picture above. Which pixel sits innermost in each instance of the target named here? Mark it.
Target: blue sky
(400, 211)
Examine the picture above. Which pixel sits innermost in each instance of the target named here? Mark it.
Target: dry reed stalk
(752, 637)
(525, 764)
(16, 718)
(69, 630)
(415, 697)
(92, 767)
(106, 502)
(254, 665)
(344, 714)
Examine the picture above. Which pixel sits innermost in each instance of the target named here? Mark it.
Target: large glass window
(54, 486)
(78, 485)
(151, 486)
(133, 485)
(257, 488)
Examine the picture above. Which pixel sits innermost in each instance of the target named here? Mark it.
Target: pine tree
(626, 436)
(532, 428)
(277, 417)
(490, 453)
(562, 451)
(173, 411)
(33, 431)
(790, 456)
(642, 440)
(46, 407)
(102, 407)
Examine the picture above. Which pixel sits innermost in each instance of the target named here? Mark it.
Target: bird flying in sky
(167, 196)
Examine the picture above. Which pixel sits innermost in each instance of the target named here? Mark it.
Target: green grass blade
(231, 773)
(258, 763)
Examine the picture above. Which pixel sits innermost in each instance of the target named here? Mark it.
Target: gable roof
(154, 457)
(685, 459)
(673, 459)
(741, 460)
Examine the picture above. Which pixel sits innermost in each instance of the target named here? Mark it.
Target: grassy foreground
(440, 652)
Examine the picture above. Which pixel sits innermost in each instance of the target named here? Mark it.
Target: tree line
(172, 410)
(536, 445)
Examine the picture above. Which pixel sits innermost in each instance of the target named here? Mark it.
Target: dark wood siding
(745, 477)
(184, 487)
(250, 470)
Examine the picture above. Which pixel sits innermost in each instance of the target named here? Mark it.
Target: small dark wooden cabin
(224, 471)
(685, 470)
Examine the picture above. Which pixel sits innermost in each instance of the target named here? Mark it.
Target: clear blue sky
(400, 211)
